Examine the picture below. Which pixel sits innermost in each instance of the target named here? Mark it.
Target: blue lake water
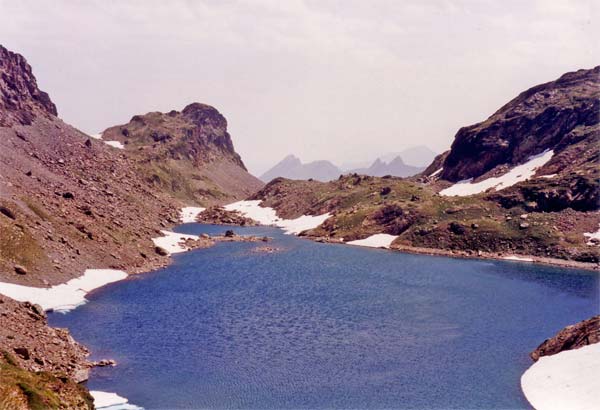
(325, 326)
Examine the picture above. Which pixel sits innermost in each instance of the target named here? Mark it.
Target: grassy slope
(21, 389)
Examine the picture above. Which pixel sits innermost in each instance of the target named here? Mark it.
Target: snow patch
(517, 258)
(96, 136)
(111, 401)
(593, 237)
(66, 296)
(268, 216)
(189, 213)
(567, 380)
(380, 240)
(517, 174)
(549, 176)
(171, 241)
(436, 172)
(115, 144)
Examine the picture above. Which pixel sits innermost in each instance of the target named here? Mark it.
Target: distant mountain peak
(291, 167)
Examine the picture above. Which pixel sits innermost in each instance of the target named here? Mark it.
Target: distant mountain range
(396, 164)
(291, 167)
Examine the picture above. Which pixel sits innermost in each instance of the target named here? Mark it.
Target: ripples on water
(325, 326)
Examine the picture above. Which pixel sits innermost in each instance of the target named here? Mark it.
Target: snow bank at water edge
(517, 174)
(380, 240)
(567, 380)
(190, 213)
(268, 216)
(171, 241)
(111, 401)
(115, 144)
(517, 258)
(66, 296)
(593, 237)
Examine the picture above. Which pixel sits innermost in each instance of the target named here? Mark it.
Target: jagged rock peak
(21, 101)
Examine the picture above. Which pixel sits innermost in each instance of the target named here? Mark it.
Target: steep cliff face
(188, 154)
(550, 116)
(20, 99)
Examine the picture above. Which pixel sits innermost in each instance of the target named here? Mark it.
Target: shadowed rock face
(538, 119)
(20, 99)
(571, 337)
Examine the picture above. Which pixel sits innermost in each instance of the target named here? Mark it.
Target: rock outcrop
(571, 337)
(39, 365)
(548, 116)
(21, 101)
(187, 154)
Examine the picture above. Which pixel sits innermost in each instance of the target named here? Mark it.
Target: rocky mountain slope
(64, 208)
(39, 365)
(549, 212)
(560, 116)
(69, 203)
(187, 154)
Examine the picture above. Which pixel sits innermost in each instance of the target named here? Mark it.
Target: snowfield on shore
(66, 296)
(190, 213)
(171, 241)
(517, 258)
(111, 401)
(517, 174)
(268, 216)
(380, 240)
(593, 237)
(567, 380)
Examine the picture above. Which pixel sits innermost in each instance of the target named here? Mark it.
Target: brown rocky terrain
(571, 337)
(187, 154)
(70, 203)
(39, 365)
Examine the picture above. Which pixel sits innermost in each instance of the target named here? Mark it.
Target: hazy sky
(343, 80)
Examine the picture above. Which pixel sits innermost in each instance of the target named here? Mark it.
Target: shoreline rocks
(571, 337)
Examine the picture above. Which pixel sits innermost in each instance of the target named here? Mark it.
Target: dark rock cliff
(547, 116)
(20, 98)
